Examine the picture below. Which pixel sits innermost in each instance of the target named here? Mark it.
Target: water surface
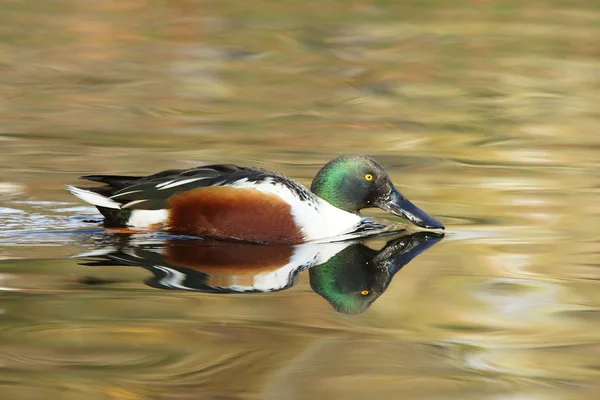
(484, 113)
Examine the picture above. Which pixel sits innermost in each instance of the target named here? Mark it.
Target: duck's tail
(114, 216)
(93, 197)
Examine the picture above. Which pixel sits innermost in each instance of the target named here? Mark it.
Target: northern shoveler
(252, 204)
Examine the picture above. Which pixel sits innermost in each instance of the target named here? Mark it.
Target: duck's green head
(352, 182)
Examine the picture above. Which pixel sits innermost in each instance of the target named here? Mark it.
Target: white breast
(316, 218)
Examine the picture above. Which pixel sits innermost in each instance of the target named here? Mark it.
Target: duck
(251, 204)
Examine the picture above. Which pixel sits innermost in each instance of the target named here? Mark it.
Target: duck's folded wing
(152, 192)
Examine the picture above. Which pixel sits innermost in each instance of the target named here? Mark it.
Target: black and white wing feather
(152, 192)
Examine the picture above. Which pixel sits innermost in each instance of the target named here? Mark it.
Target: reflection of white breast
(305, 256)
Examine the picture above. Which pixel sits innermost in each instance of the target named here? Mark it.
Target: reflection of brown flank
(228, 259)
(233, 213)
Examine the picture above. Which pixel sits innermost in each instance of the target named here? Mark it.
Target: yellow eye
(364, 292)
(369, 177)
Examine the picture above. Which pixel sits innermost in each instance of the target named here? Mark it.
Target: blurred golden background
(485, 113)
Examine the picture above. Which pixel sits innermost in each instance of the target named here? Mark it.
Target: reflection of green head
(355, 277)
(349, 281)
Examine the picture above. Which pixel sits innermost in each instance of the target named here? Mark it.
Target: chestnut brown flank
(233, 213)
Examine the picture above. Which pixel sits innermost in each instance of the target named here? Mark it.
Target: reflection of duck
(253, 204)
(218, 267)
(350, 275)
